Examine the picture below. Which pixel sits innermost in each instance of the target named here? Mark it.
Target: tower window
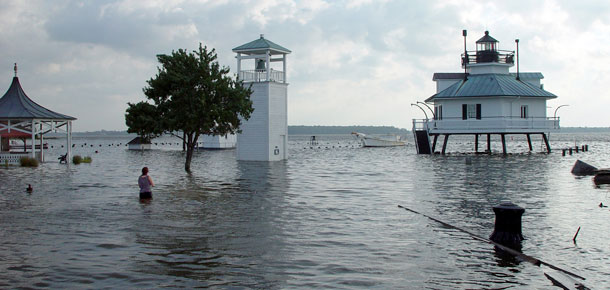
(524, 112)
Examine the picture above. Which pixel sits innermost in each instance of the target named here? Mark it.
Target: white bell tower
(264, 136)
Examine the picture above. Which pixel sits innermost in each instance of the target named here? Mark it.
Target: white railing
(494, 124)
(261, 76)
(14, 158)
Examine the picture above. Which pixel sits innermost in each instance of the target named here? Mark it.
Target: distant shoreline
(334, 130)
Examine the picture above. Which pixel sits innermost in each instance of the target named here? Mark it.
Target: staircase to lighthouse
(421, 136)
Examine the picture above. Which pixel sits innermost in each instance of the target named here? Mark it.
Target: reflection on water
(325, 218)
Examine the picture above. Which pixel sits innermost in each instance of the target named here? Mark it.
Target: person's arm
(151, 182)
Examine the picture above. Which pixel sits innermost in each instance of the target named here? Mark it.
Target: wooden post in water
(529, 141)
(546, 142)
(434, 143)
(488, 144)
(445, 143)
(503, 143)
(476, 143)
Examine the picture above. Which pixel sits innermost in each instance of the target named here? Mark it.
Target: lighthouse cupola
(487, 49)
(487, 58)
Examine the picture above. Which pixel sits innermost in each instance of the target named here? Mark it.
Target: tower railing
(261, 76)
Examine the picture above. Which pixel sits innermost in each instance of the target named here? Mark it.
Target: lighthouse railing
(499, 124)
(499, 56)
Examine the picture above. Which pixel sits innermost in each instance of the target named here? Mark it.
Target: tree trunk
(189, 156)
(191, 141)
(183, 141)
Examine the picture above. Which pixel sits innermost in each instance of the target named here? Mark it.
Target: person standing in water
(145, 183)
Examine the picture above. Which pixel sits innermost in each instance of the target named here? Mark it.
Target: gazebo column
(33, 140)
(69, 141)
(41, 145)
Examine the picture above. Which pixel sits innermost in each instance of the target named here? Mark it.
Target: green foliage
(194, 95)
(142, 119)
(28, 162)
(87, 159)
(77, 159)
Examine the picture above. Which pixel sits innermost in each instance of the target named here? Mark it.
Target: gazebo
(20, 117)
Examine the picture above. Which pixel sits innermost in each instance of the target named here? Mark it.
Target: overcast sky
(353, 62)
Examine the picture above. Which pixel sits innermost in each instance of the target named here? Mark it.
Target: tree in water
(141, 118)
(193, 96)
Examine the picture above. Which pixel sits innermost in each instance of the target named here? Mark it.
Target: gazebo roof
(15, 104)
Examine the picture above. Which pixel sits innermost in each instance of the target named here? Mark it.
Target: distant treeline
(584, 129)
(337, 130)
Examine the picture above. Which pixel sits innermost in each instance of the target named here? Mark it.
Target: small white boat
(387, 140)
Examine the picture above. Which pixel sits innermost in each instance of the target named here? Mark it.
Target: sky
(353, 62)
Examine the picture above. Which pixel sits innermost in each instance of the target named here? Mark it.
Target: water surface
(325, 218)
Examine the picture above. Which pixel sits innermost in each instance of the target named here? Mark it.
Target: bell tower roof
(260, 46)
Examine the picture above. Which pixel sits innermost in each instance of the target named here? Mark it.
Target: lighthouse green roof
(491, 85)
(261, 45)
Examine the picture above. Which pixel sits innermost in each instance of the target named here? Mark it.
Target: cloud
(353, 62)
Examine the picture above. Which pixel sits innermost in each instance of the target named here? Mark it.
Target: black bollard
(563, 152)
(582, 148)
(570, 149)
(507, 230)
(576, 147)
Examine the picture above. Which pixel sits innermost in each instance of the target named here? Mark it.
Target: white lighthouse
(486, 100)
(264, 136)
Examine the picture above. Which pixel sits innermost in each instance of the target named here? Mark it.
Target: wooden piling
(445, 143)
(546, 142)
(476, 143)
(488, 144)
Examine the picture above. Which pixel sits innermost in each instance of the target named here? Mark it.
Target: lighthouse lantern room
(261, 64)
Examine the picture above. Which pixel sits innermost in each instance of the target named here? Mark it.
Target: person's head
(144, 170)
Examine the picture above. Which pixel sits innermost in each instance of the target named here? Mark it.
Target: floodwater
(326, 218)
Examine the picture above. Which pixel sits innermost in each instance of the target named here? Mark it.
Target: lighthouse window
(438, 112)
(471, 111)
(524, 112)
